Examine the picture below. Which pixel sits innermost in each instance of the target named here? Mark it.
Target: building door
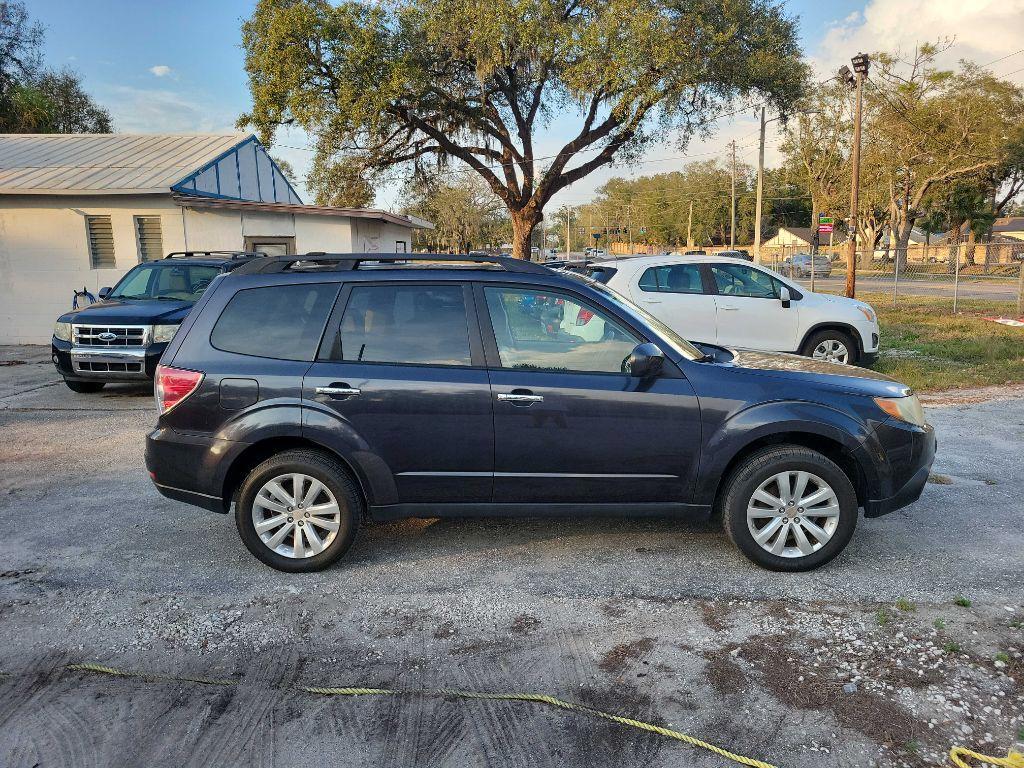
(272, 246)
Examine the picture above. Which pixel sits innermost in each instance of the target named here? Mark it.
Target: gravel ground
(910, 642)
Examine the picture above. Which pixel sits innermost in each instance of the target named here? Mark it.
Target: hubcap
(832, 350)
(296, 515)
(793, 514)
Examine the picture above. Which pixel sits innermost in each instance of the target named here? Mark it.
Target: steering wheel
(200, 285)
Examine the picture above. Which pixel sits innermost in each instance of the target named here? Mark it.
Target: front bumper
(910, 464)
(118, 364)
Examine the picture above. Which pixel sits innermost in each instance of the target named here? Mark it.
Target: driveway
(653, 619)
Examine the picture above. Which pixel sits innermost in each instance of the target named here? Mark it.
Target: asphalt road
(992, 290)
(651, 618)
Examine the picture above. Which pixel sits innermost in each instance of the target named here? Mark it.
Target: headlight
(869, 313)
(906, 409)
(163, 333)
(62, 331)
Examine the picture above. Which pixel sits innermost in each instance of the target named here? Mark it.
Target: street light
(860, 67)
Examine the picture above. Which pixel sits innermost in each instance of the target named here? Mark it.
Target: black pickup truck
(120, 338)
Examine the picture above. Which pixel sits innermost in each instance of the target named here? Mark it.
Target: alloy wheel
(296, 515)
(832, 350)
(793, 514)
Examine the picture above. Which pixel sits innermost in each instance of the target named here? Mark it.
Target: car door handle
(338, 390)
(652, 301)
(520, 399)
(728, 308)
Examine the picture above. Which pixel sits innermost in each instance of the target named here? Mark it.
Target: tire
(760, 468)
(85, 387)
(831, 338)
(337, 487)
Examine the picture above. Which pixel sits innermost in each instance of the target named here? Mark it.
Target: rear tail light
(173, 385)
(584, 317)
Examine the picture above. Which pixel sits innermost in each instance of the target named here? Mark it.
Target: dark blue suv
(312, 391)
(122, 336)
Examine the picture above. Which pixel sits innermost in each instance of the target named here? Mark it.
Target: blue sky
(164, 66)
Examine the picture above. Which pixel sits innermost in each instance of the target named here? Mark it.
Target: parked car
(308, 391)
(800, 265)
(121, 337)
(737, 304)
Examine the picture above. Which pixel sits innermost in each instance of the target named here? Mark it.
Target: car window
(672, 278)
(163, 280)
(740, 280)
(410, 324)
(552, 331)
(282, 321)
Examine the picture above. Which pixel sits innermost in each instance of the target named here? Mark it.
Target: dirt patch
(619, 657)
(724, 674)
(880, 719)
(952, 397)
(714, 615)
(524, 624)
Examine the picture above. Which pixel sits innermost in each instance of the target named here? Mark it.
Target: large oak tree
(410, 85)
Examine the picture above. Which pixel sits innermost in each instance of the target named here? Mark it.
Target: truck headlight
(906, 409)
(869, 313)
(62, 331)
(163, 333)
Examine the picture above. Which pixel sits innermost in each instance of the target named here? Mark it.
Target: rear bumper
(910, 474)
(190, 468)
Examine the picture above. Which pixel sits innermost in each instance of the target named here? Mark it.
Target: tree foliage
(32, 98)
(465, 212)
(411, 84)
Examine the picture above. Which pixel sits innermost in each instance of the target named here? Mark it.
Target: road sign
(825, 223)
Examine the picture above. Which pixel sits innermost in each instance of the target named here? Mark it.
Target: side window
(281, 321)
(550, 331)
(672, 278)
(410, 324)
(738, 280)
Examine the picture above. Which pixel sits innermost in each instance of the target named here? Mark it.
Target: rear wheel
(831, 345)
(84, 386)
(789, 508)
(298, 511)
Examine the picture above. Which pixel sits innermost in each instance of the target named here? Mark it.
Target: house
(80, 210)
(801, 237)
(1010, 227)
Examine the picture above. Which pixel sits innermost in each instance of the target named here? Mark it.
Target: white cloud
(161, 70)
(157, 110)
(982, 30)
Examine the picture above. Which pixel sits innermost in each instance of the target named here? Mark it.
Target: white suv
(733, 303)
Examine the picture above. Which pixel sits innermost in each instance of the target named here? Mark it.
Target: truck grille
(93, 367)
(110, 335)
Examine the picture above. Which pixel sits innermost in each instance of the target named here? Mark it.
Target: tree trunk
(903, 242)
(954, 247)
(523, 223)
(972, 239)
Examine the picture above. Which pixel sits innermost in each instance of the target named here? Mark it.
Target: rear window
(601, 274)
(672, 278)
(284, 322)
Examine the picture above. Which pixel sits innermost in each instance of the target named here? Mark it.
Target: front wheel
(789, 508)
(84, 387)
(298, 511)
(833, 346)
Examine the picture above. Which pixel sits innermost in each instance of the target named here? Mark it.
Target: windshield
(163, 280)
(681, 345)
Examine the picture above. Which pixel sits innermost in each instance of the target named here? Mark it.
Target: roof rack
(342, 262)
(231, 254)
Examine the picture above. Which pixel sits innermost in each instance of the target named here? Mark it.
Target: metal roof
(105, 163)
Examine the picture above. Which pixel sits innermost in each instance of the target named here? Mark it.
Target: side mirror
(645, 361)
(785, 297)
(104, 292)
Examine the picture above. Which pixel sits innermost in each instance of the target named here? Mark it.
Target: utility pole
(860, 66)
(568, 234)
(732, 220)
(760, 192)
(689, 226)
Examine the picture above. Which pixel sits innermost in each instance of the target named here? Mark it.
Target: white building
(80, 210)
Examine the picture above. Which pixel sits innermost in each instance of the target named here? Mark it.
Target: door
(676, 295)
(749, 311)
(401, 377)
(569, 425)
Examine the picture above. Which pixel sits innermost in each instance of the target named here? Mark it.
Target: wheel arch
(259, 452)
(833, 325)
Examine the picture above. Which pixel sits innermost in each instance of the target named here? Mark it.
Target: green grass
(927, 347)
(963, 602)
(905, 605)
(882, 617)
(951, 647)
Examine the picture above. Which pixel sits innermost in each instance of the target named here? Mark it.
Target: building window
(150, 238)
(101, 242)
